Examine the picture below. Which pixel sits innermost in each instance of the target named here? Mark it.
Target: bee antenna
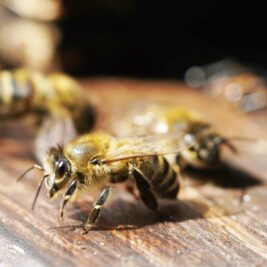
(59, 148)
(242, 138)
(229, 144)
(35, 166)
(229, 141)
(38, 191)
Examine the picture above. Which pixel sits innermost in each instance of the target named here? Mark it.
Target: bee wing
(56, 129)
(141, 146)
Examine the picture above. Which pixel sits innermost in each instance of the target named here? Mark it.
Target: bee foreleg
(144, 188)
(95, 212)
(67, 197)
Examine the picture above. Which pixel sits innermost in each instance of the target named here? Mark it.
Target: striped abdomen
(16, 93)
(164, 180)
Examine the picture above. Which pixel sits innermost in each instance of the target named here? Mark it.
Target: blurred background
(158, 39)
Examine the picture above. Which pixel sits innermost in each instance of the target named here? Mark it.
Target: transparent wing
(57, 129)
(141, 146)
(144, 117)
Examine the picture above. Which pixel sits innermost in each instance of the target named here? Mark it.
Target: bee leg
(180, 161)
(67, 197)
(95, 212)
(144, 188)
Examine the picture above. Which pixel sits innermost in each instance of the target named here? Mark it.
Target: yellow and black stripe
(24, 91)
(15, 94)
(161, 182)
(165, 180)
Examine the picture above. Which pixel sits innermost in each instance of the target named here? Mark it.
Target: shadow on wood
(135, 214)
(225, 176)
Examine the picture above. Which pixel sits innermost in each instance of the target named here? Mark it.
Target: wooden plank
(208, 226)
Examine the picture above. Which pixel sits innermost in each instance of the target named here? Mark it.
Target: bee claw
(61, 217)
(86, 229)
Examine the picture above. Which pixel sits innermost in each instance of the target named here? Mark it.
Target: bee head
(59, 169)
(208, 148)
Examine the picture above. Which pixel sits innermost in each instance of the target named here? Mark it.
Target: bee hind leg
(95, 212)
(144, 189)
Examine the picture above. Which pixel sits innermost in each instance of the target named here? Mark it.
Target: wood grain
(208, 226)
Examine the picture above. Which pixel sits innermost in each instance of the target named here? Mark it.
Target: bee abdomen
(165, 179)
(15, 94)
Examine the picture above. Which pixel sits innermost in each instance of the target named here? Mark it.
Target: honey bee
(55, 97)
(101, 159)
(186, 124)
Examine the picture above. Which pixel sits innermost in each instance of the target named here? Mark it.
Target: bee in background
(186, 124)
(56, 98)
(206, 152)
(243, 87)
(100, 159)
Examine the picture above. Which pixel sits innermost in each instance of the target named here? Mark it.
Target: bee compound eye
(189, 139)
(61, 168)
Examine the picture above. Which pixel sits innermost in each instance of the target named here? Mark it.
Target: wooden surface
(208, 226)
